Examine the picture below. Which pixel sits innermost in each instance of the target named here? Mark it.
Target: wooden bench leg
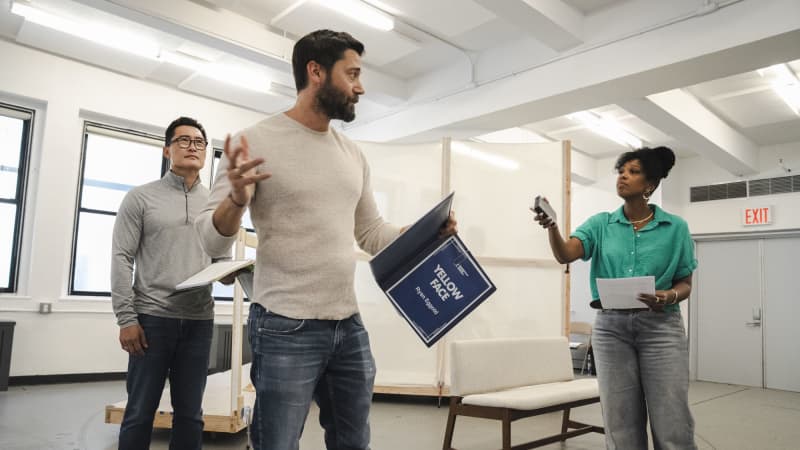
(565, 423)
(451, 424)
(506, 430)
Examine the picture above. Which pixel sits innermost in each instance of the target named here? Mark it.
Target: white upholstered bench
(509, 379)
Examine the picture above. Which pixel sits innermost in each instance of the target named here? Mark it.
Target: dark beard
(335, 104)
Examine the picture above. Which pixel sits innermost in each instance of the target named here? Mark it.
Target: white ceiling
(679, 73)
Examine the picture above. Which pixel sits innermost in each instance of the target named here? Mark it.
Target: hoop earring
(646, 196)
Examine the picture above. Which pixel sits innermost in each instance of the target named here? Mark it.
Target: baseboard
(27, 380)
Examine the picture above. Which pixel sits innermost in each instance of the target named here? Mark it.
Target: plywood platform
(217, 413)
(410, 389)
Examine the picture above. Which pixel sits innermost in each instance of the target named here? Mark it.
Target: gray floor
(70, 416)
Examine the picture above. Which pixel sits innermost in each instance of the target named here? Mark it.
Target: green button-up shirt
(663, 248)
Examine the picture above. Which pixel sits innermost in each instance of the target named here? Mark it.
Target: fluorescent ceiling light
(251, 79)
(108, 36)
(514, 135)
(242, 77)
(785, 83)
(245, 78)
(608, 128)
(488, 158)
(361, 12)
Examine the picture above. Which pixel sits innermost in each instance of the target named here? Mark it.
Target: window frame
(21, 192)
(87, 124)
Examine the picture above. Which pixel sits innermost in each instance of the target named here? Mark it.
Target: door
(728, 288)
(782, 314)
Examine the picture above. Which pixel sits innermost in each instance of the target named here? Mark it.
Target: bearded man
(308, 190)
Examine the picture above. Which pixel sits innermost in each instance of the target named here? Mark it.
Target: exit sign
(757, 216)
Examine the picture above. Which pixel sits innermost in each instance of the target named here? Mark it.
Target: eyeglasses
(185, 142)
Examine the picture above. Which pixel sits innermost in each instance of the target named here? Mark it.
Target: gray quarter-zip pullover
(154, 230)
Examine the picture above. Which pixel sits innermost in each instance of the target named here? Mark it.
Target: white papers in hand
(212, 273)
(621, 293)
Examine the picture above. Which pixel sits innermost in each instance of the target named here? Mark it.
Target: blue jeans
(296, 361)
(178, 349)
(642, 362)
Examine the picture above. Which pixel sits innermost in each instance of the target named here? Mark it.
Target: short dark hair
(180, 121)
(325, 47)
(656, 162)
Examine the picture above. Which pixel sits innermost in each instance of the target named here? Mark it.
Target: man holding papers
(166, 333)
(309, 194)
(642, 259)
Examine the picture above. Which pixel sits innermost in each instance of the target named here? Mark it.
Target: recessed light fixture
(98, 33)
(608, 128)
(361, 12)
(785, 83)
(249, 78)
(488, 158)
(515, 135)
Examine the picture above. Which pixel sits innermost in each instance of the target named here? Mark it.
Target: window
(15, 143)
(113, 161)
(221, 291)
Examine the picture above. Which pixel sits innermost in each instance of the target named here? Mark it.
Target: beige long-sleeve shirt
(306, 216)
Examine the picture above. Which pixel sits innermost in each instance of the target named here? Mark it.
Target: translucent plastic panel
(8, 213)
(495, 185)
(406, 182)
(406, 179)
(400, 356)
(93, 253)
(528, 303)
(10, 142)
(113, 166)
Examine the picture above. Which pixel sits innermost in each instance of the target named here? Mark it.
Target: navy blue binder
(433, 282)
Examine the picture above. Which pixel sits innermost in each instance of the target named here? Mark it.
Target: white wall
(80, 335)
(724, 216)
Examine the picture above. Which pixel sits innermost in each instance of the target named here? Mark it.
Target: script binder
(212, 273)
(433, 282)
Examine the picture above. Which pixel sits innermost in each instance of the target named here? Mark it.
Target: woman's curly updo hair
(656, 162)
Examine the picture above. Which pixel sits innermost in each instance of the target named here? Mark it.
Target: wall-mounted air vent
(720, 191)
(740, 189)
(778, 185)
(699, 194)
(759, 187)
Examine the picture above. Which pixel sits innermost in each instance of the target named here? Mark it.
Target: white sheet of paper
(212, 273)
(620, 293)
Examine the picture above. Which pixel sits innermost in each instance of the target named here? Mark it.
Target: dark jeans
(178, 349)
(295, 361)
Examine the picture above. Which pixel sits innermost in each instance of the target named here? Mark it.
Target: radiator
(220, 358)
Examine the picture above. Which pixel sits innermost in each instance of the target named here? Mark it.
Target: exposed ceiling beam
(741, 37)
(552, 22)
(682, 116)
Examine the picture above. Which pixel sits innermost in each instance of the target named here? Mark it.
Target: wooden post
(566, 202)
(236, 332)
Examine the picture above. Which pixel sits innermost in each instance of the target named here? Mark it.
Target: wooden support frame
(437, 385)
(569, 428)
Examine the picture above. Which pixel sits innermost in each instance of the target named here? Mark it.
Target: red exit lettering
(756, 216)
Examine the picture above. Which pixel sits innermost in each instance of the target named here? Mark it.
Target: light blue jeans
(642, 362)
(295, 361)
